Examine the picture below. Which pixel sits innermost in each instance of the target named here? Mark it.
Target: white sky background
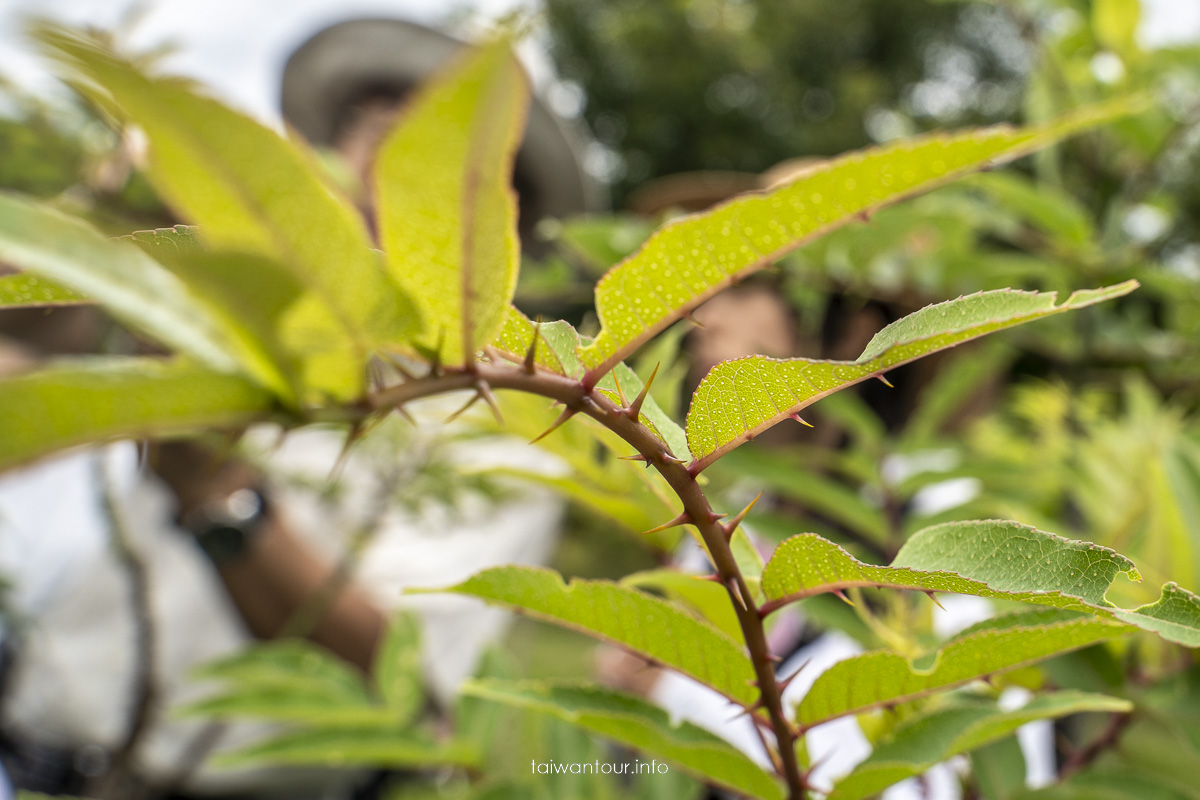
(238, 47)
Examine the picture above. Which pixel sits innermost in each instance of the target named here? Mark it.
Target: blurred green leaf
(636, 723)
(74, 403)
(957, 727)
(30, 290)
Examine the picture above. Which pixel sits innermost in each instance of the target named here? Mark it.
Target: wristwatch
(225, 528)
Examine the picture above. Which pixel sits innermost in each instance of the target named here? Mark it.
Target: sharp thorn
(732, 525)
(935, 600)
(353, 436)
(746, 711)
(714, 516)
(801, 420)
(398, 365)
(884, 381)
(683, 519)
(712, 577)
(566, 414)
(774, 659)
(435, 364)
(672, 459)
(635, 457)
(404, 413)
(786, 682)
(690, 318)
(530, 363)
(620, 391)
(462, 409)
(840, 595)
(485, 392)
(635, 408)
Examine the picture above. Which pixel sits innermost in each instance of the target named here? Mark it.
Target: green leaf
(705, 597)
(447, 212)
(292, 681)
(72, 403)
(958, 727)
(872, 680)
(652, 415)
(740, 398)
(253, 191)
(555, 348)
(688, 261)
(381, 749)
(1116, 23)
(129, 284)
(994, 559)
(30, 290)
(636, 723)
(1053, 210)
(1133, 782)
(398, 668)
(999, 769)
(648, 625)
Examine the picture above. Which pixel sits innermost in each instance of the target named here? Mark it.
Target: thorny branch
(697, 511)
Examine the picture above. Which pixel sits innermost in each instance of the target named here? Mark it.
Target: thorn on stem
(398, 365)
(801, 420)
(485, 391)
(635, 408)
(402, 411)
(530, 363)
(933, 597)
(692, 319)
(786, 682)
(620, 391)
(884, 381)
(746, 711)
(566, 414)
(732, 525)
(683, 519)
(840, 595)
(463, 408)
(356, 431)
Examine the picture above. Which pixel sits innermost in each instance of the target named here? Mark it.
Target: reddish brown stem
(575, 396)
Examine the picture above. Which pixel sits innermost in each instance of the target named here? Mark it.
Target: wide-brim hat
(341, 64)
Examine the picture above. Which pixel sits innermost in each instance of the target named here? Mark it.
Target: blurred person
(93, 538)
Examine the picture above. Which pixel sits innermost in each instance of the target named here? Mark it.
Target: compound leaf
(740, 398)
(872, 680)
(76, 403)
(634, 722)
(639, 621)
(958, 727)
(447, 212)
(688, 261)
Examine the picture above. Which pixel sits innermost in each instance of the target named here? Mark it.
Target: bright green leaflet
(1050, 208)
(447, 212)
(30, 290)
(516, 335)
(879, 678)
(343, 748)
(633, 721)
(646, 624)
(133, 287)
(687, 262)
(957, 728)
(95, 400)
(992, 553)
(251, 190)
(740, 398)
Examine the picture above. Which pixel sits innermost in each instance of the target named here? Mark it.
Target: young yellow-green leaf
(690, 260)
(959, 727)
(74, 403)
(251, 190)
(557, 342)
(641, 622)
(129, 284)
(25, 290)
(740, 398)
(634, 722)
(879, 678)
(369, 747)
(447, 212)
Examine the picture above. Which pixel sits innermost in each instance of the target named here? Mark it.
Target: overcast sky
(238, 47)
